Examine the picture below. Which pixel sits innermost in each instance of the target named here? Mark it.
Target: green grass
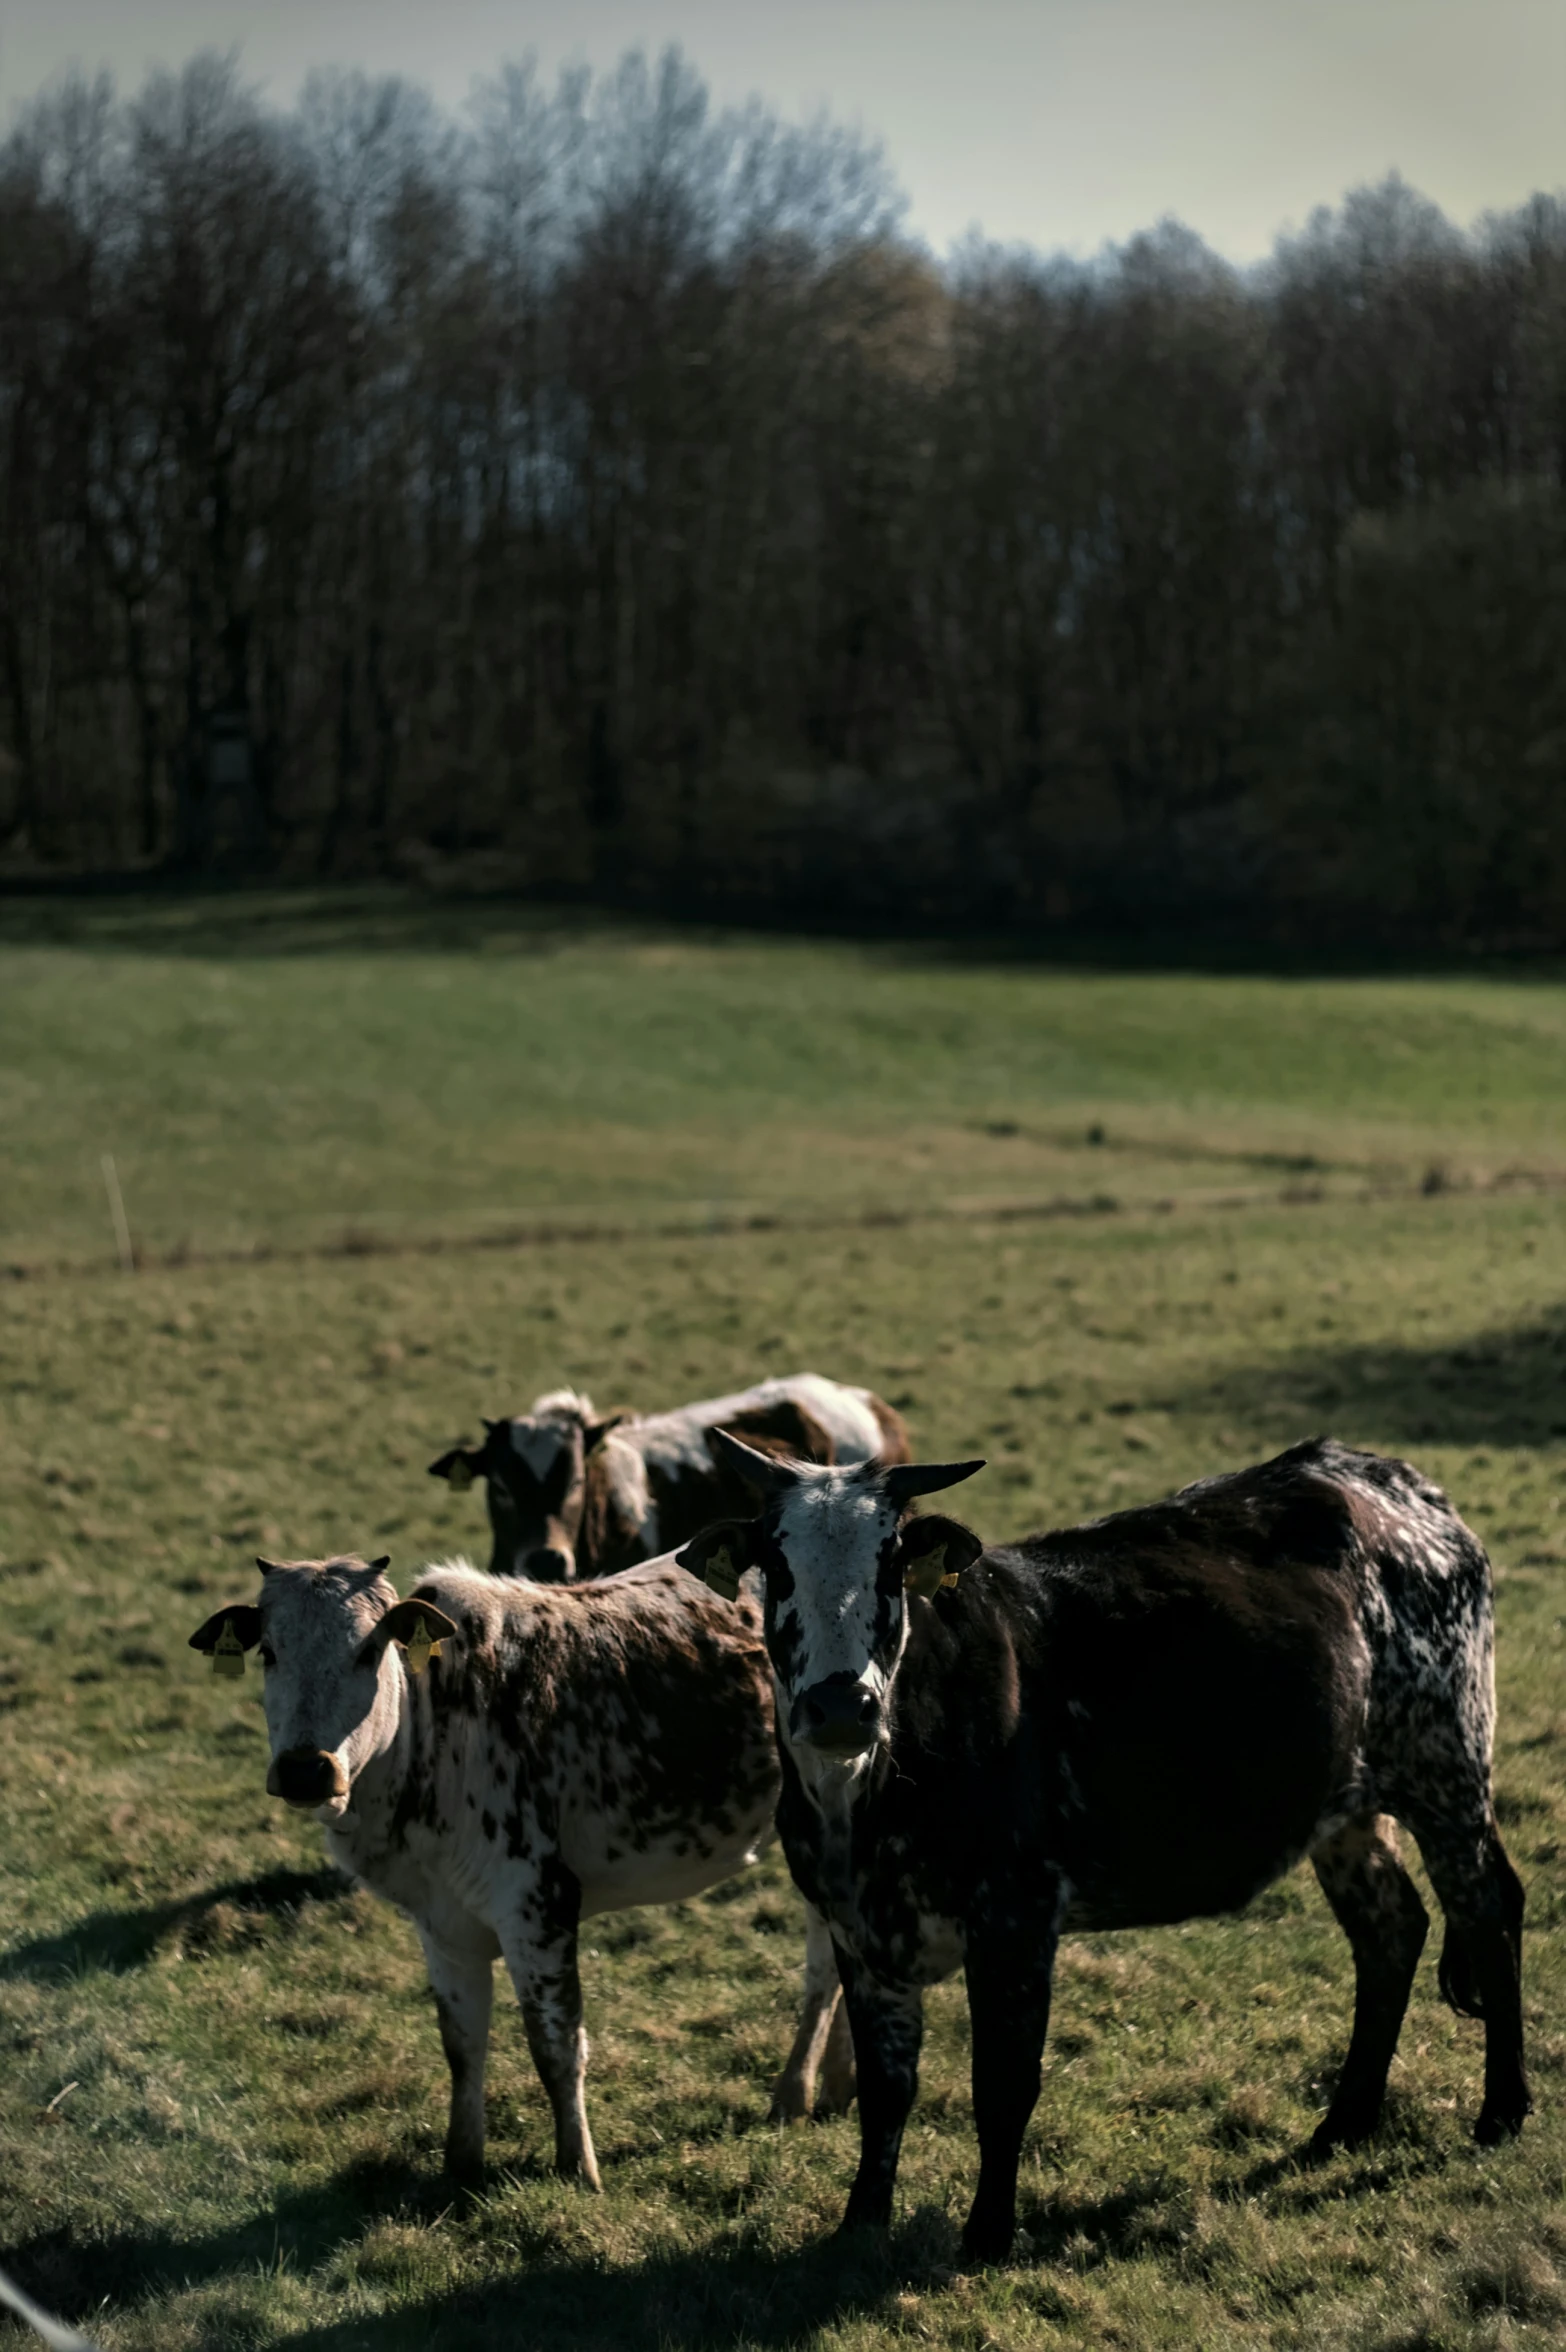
(287, 1072)
(221, 2091)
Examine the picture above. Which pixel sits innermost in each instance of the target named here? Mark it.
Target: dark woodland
(601, 494)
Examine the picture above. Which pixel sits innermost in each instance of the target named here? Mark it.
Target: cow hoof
(984, 2248)
(1334, 2136)
(788, 2104)
(835, 2094)
(1500, 2123)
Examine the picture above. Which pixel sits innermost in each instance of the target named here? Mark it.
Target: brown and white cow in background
(574, 1494)
(565, 1751)
(1145, 1719)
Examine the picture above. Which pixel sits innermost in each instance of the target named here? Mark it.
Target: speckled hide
(567, 1750)
(1147, 1718)
(574, 1493)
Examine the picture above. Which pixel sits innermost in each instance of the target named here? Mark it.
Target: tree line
(601, 492)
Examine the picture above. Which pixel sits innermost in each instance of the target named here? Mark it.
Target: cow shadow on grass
(238, 1911)
(1149, 2216)
(73, 2274)
(705, 2300)
(715, 2296)
(1504, 1386)
(711, 2299)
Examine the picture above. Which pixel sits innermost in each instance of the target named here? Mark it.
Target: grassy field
(1113, 1230)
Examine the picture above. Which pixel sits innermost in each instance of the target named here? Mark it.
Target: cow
(1144, 1719)
(503, 1759)
(573, 1493)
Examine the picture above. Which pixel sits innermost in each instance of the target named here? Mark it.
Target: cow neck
(379, 1783)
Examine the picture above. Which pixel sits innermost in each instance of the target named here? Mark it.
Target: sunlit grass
(281, 1071)
(222, 2096)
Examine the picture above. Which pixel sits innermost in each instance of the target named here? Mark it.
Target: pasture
(390, 1167)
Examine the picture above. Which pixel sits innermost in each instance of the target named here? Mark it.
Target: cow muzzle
(307, 1778)
(838, 1717)
(549, 1564)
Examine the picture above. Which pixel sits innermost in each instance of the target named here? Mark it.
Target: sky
(1054, 123)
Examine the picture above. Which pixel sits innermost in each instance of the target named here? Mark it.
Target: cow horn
(267, 1567)
(762, 1471)
(904, 1480)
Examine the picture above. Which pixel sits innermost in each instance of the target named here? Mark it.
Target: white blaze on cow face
(833, 1551)
(835, 1613)
(332, 1689)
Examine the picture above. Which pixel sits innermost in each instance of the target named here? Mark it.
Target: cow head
(327, 1631)
(838, 1557)
(534, 1469)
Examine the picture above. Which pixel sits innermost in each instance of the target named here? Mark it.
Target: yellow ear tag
(459, 1477)
(420, 1650)
(721, 1575)
(929, 1574)
(228, 1653)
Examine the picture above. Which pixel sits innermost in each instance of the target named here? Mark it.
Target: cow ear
(593, 1431)
(720, 1555)
(405, 1620)
(246, 1624)
(933, 1551)
(773, 1449)
(459, 1468)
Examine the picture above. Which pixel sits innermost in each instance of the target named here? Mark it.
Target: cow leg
(888, 2026)
(822, 2041)
(541, 1957)
(1010, 1976)
(1377, 1906)
(1481, 1961)
(463, 1982)
(838, 2080)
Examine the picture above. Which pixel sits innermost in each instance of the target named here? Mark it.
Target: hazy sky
(1059, 122)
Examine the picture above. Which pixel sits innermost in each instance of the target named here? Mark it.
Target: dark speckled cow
(573, 1493)
(567, 1751)
(1145, 1719)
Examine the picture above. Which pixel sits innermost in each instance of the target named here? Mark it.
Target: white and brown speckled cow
(1144, 1719)
(567, 1751)
(573, 1493)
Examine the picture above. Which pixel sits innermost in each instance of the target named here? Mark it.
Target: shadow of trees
(1502, 1386)
(233, 925)
(207, 919)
